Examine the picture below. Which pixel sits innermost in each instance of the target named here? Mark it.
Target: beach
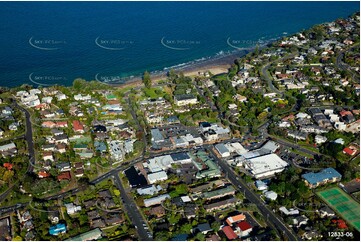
(215, 65)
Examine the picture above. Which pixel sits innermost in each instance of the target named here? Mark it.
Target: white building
(222, 150)
(284, 124)
(187, 99)
(71, 208)
(46, 100)
(236, 147)
(79, 97)
(128, 146)
(149, 190)
(270, 195)
(290, 211)
(319, 139)
(116, 150)
(61, 96)
(265, 166)
(157, 176)
(34, 91)
(340, 126)
(7, 147)
(159, 163)
(155, 200)
(191, 139)
(271, 146)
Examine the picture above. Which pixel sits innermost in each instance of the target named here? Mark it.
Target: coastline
(216, 65)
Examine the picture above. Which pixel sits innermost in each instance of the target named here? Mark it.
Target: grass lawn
(152, 92)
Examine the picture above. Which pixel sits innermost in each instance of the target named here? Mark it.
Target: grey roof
(222, 148)
(157, 135)
(184, 97)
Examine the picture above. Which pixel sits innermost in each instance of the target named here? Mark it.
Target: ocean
(55, 42)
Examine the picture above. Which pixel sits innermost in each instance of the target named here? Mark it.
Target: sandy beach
(215, 65)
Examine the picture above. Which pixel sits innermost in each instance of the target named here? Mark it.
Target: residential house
(203, 228)
(71, 208)
(230, 234)
(186, 99)
(157, 211)
(243, 229)
(235, 219)
(64, 176)
(78, 127)
(300, 220)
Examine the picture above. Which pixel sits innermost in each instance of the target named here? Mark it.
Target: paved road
(132, 210)
(268, 77)
(343, 66)
(28, 134)
(293, 145)
(29, 139)
(140, 128)
(271, 218)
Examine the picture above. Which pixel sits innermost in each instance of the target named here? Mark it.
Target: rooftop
(325, 174)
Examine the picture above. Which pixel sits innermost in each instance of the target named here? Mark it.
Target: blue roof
(260, 183)
(180, 237)
(180, 156)
(325, 174)
(57, 229)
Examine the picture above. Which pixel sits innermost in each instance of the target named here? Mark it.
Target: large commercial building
(265, 166)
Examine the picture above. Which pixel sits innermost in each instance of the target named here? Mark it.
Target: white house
(157, 176)
(270, 195)
(319, 139)
(186, 99)
(71, 208)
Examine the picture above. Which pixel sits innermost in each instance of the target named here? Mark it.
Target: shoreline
(216, 65)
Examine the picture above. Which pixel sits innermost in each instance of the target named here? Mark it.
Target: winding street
(266, 76)
(30, 144)
(343, 66)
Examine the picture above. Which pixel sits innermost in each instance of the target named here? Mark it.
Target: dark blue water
(65, 35)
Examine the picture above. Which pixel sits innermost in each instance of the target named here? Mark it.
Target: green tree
(215, 226)
(201, 237)
(146, 80)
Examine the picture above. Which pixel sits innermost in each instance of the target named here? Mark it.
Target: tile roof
(228, 231)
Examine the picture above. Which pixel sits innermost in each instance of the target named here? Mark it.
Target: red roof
(228, 231)
(41, 105)
(64, 176)
(349, 151)
(244, 225)
(8, 166)
(77, 125)
(43, 174)
(62, 124)
(341, 224)
(48, 124)
(345, 112)
(289, 117)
